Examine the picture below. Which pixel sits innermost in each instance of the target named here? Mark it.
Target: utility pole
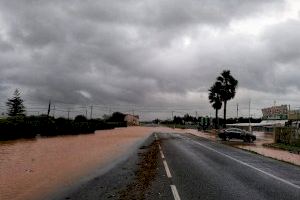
(49, 108)
(86, 112)
(249, 115)
(237, 112)
(68, 113)
(91, 114)
(53, 111)
(172, 120)
(289, 111)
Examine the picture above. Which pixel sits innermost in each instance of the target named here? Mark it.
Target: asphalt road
(202, 169)
(189, 167)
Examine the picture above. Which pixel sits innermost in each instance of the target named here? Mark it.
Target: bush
(287, 135)
(15, 127)
(80, 118)
(28, 127)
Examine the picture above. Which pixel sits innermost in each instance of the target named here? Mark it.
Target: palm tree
(228, 88)
(214, 97)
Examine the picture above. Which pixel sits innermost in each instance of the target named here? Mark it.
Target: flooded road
(35, 169)
(32, 169)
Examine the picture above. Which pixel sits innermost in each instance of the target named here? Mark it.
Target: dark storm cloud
(129, 51)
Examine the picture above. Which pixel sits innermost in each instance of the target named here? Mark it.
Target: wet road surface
(190, 167)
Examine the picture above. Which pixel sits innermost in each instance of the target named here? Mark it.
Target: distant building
(265, 125)
(294, 115)
(132, 120)
(275, 116)
(275, 113)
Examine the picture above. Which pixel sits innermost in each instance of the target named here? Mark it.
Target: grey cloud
(170, 13)
(5, 46)
(125, 51)
(283, 40)
(283, 43)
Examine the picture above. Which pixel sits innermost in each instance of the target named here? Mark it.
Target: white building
(132, 120)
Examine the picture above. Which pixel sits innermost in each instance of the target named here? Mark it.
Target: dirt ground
(144, 175)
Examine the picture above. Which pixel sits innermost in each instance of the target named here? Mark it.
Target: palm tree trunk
(217, 120)
(225, 104)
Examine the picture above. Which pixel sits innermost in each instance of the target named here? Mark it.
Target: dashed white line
(175, 192)
(162, 155)
(173, 187)
(252, 167)
(167, 169)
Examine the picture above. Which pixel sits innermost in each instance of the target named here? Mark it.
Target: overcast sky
(154, 55)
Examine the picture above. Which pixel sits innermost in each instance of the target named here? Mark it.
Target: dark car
(236, 133)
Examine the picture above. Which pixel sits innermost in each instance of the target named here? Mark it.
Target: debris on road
(145, 174)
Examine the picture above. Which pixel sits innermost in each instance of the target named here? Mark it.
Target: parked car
(236, 133)
(296, 124)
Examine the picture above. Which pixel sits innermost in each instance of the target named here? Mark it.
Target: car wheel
(227, 138)
(251, 140)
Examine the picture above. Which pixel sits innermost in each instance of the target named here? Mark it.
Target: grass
(286, 147)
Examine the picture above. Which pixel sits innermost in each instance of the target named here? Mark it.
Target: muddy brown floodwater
(33, 169)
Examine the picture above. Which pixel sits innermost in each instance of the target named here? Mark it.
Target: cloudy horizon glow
(153, 56)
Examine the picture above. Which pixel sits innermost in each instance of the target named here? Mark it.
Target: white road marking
(162, 154)
(155, 136)
(252, 167)
(173, 187)
(167, 169)
(175, 192)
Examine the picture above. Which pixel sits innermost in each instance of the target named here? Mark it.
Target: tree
(214, 97)
(117, 117)
(228, 88)
(80, 118)
(15, 105)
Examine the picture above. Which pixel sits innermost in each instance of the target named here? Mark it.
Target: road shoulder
(138, 177)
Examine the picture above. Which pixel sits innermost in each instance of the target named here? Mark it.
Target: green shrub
(287, 135)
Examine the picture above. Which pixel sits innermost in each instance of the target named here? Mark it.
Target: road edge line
(167, 169)
(175, 192)
(252, 167)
